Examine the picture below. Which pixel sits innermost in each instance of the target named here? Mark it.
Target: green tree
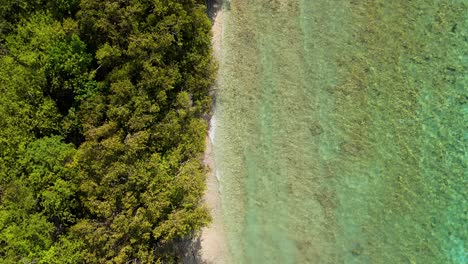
(40, 202)
(38, 187)
(127, 82)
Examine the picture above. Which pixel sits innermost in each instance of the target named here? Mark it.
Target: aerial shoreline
(213, 239)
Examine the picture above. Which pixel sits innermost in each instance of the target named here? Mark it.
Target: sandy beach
(212, 240)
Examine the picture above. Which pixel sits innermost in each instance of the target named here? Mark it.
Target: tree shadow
(212, 8)
(190, 251)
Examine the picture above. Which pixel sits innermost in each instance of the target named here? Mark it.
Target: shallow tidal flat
(341, 131)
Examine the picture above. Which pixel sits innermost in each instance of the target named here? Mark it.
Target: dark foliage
(102, 132)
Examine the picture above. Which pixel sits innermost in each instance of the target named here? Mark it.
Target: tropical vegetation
(103, 114)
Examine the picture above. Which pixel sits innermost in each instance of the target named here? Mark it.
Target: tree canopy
(101, 109)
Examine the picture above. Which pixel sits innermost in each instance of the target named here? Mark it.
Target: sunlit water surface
(341, 131)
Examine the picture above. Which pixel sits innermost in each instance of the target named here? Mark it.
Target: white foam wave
(211, 132)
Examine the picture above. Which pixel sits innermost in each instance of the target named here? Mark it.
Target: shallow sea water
(341, 131)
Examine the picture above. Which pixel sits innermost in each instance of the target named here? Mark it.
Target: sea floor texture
(341, 131)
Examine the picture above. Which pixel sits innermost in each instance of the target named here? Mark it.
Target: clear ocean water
(341, 131)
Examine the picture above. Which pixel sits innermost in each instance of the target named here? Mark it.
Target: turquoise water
(341, 131)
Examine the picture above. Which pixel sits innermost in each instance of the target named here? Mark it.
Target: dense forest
(103, 108)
